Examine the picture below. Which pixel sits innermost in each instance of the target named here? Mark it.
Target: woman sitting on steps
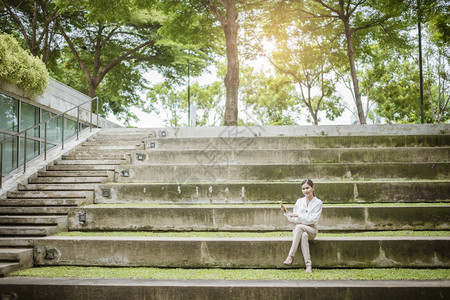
(306, 214)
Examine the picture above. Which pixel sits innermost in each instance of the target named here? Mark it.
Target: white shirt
(307, 214)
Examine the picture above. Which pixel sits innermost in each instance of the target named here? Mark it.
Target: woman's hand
(293, 215)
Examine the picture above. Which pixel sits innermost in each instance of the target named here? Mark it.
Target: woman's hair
(310, 183)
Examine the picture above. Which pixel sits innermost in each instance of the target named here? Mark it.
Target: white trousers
(303, 233)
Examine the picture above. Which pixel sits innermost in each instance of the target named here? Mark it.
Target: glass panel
(9, 113)
(54, 129)
(32, 150)
(70, 128)
(29, 116)
(9, 153)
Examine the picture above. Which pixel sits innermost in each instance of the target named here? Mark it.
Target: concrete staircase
(41, 206)
(370, 179)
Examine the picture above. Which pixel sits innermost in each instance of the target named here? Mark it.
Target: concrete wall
(307, 130)
(57, 98)
(119, 289)
(339, 252)
(241, 218)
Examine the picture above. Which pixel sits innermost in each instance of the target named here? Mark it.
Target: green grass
(236, 274)
(222, 234)
(274, 205)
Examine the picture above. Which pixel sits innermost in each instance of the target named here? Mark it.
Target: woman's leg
(303, 233)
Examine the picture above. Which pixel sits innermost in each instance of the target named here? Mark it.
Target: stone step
(7, 267)
(274, 192)
(356, 252)
(34, 220)
(90, 162)
(197, 218)
(43, 202)
(329, 171)
(16, 254)
(32, 288)
(93, 156)
(55, 177)
(24, 230)
(34, 210)
(87, 169)
(50, 194)
(75, 173)
(17, 242)
(57, 187)
(320, 155)
(109, 146)
(264, 143)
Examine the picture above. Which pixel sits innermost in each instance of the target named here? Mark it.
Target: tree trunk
(351, 57)
(232, 77)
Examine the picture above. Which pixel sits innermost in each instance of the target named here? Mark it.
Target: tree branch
(75, 53)
(113, 63)
(19, 22)
(216, 11)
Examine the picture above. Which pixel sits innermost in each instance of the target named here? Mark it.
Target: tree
(206, 98)
(272, 99)
(225, 13)
(35, 20)
(114, 46)
(350, 20)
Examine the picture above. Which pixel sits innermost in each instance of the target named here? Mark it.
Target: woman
(306, 213)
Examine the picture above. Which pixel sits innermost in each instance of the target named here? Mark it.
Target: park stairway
(241, 180)
(41, 206)
(165, 180)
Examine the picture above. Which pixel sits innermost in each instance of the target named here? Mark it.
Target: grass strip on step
(274, 205)
(235, 274)
(226, 234)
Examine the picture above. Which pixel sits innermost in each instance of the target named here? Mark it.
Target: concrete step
(264, 143)
(339, 252)
(34, 210)
(90, 162)
(320, 155)
(65, 178)
(50, 194)
(56, 187)
(75, 173)
(84, 168)
(24, 230)
(7, 267)
(16, 254)
(93, 156)
(43, 202)
(254, 218)
(109, 146)
(114, 289)
(34, 220)
(282, 172)
(274, 192)
(16, 242)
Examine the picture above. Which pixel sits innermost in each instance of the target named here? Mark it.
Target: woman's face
(307, 190)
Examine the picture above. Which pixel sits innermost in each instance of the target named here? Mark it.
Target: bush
(21, 68)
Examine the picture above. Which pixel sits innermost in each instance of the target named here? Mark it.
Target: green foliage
(21, 68)
(172, 100)
(272, 99)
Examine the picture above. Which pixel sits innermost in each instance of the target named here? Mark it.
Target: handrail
(25, 131)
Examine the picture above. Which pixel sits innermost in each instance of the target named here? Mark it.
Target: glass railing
(28, 144)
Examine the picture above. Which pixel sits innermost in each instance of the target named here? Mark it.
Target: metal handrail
(24, 134)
